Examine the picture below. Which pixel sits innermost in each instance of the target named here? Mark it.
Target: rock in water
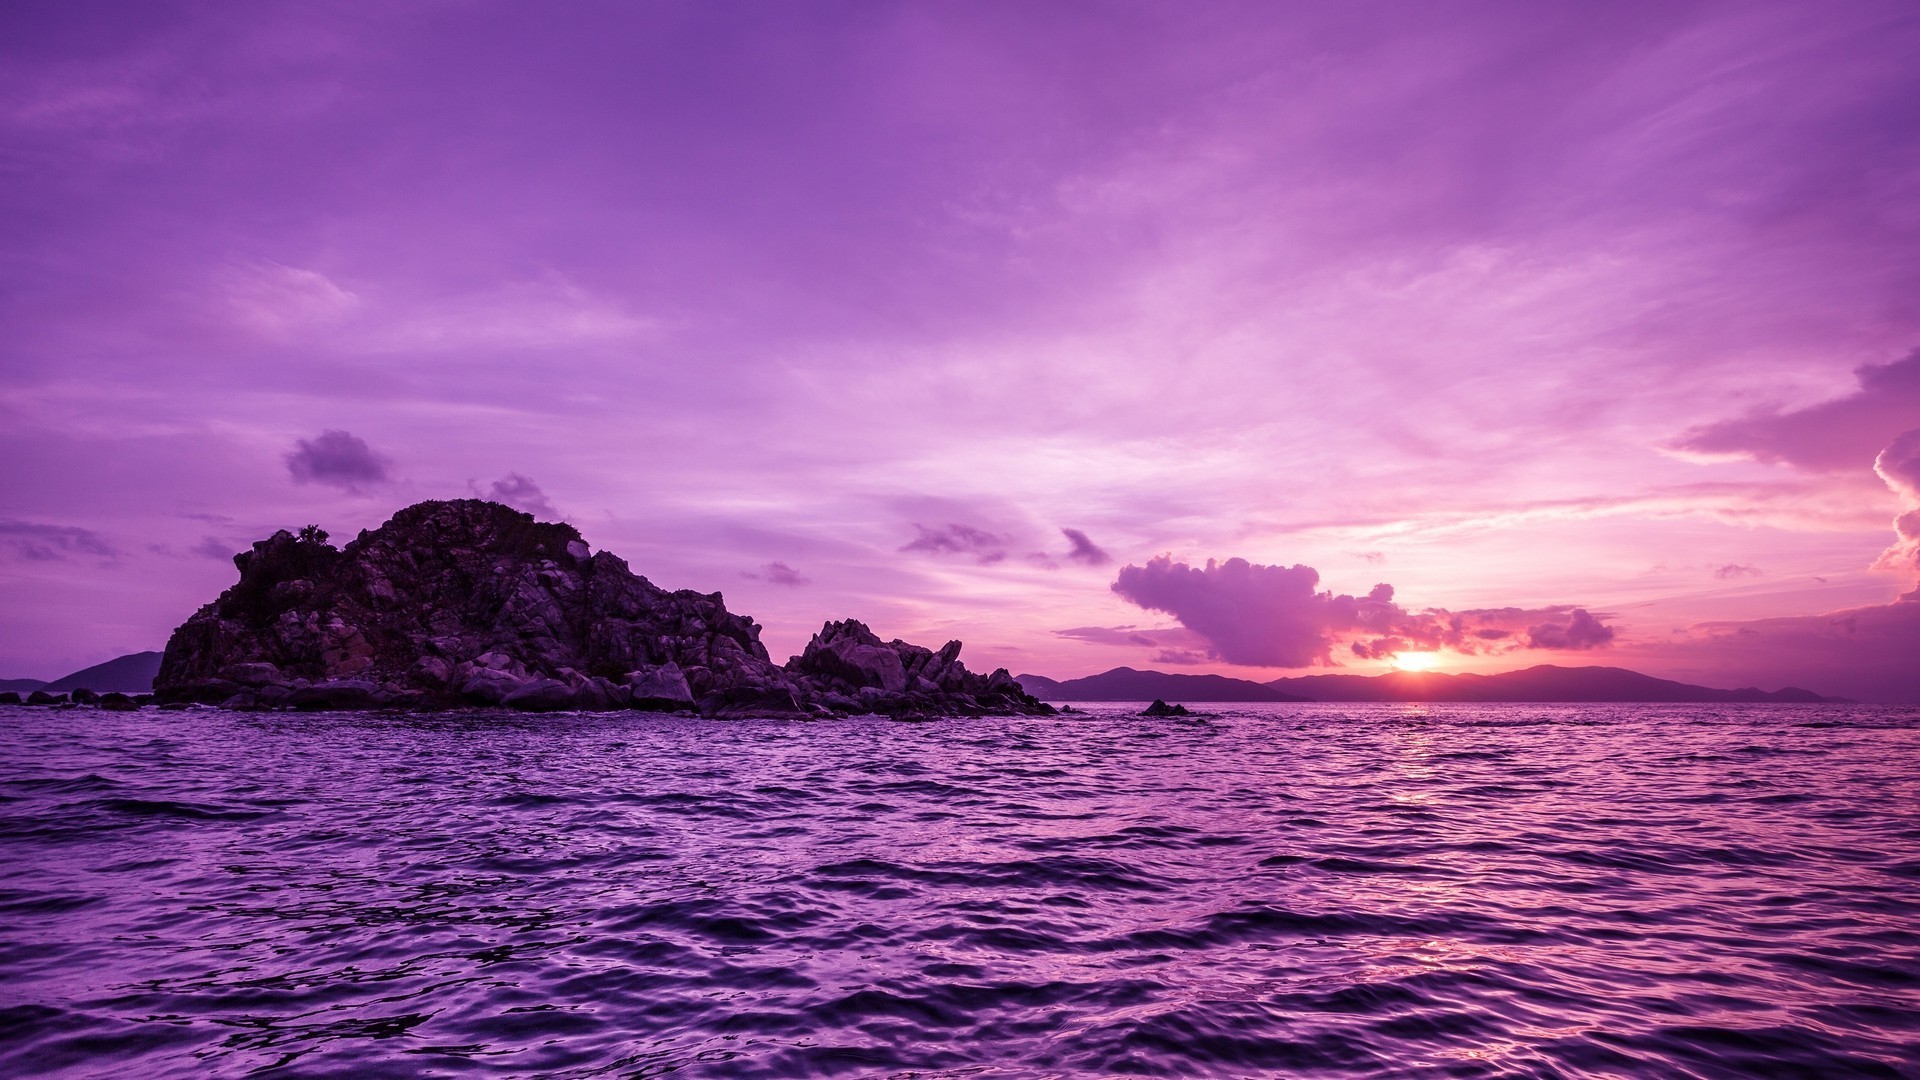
(474, 603)
(1161, 708)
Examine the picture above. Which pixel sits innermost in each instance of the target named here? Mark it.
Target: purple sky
(1581, 328)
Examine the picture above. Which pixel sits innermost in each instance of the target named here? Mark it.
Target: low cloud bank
(1277, 616)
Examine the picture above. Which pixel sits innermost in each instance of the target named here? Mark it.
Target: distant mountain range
(1547, 682)
(1126, 684)
(129, 674)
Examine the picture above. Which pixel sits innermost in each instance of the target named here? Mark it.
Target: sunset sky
(1513, 332)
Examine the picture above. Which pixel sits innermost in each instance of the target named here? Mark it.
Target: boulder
(9, 697)
(541, 695)
(335, 695)
(486, 686)
(1161, 708)
(114, 701)
(256, 674)
(661, 688)
(80, 695)
(41, 697)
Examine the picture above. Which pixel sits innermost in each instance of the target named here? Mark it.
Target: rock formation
(474, 603)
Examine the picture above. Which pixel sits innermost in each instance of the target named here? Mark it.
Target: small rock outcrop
(1161, 708)
(470, 602)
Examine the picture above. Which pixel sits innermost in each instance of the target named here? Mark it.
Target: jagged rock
(663, 687)
(1161, 708)
(471, 602)
(845, 659)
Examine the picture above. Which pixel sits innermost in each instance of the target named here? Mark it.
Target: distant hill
(1126, 684)
(129, 674)
(1039, 686)
(20, 686)
(1546, 682)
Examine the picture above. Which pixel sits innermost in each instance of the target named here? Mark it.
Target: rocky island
(472, 603)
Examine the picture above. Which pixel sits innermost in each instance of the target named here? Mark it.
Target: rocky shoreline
(469, 603)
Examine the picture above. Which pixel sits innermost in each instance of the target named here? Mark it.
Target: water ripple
(1472, 891)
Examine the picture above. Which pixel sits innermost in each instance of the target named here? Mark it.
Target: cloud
(1737, 570)
(1832, 436)
(1152, 638)
(1276, 616)
(1580, 631)
(278, 301)
(337, 458)
(1085, 551)
(984, 547)
(777, 573)
(1865, 653)
(1899, 466)
(1263, 616)
(212, 547)
(521, 493)
(51, 543)
(1180, 656)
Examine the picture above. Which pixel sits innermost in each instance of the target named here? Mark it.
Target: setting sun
(1416, 661)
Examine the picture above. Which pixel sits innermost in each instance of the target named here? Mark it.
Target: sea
(1311, 890)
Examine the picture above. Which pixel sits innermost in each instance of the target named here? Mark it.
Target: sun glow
(1416, 661)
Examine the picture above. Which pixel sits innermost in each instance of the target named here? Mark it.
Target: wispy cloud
(37, 542)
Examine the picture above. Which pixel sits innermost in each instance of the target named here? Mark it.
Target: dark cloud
(1736, 570)
(1832, 436)
(1085, 551)
(1276, 616)
(777, 573)
(51, 543)
(1580, 631)
(983, 547)
(522, 493)
(340, 459)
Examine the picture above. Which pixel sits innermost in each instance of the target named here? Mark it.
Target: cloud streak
(36, 542)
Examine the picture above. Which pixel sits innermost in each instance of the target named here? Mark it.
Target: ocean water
(1304, 890)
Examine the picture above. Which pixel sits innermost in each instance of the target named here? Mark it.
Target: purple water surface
(1315, 890)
